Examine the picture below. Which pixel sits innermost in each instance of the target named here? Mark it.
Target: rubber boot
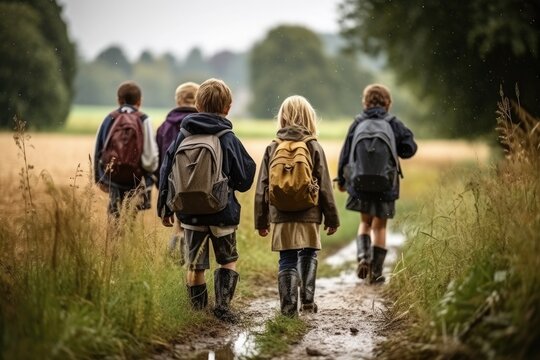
(364, 255)
(198, 296)
(225, 281)
(307, 269)
(288, 282)
(379, 254)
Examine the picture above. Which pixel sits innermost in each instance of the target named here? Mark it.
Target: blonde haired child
(375, 207)
(295, 234)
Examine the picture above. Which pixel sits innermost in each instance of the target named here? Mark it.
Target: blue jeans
(288, 259)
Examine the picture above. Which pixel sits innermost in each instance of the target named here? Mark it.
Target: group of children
(203, 109)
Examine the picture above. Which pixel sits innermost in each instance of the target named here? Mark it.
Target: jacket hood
(293, 133)
(175, 116)
(205, 123)
(374, 113)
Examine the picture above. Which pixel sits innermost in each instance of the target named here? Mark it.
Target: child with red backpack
(166, 135)
(126, 152)
(294, 194)
(369, 171)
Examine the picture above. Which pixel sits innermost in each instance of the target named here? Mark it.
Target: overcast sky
(178, 25)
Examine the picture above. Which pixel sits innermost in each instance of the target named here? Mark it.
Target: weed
(466, 281)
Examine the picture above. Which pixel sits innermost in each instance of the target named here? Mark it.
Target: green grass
(279, 333)
(467, 285)
(74, 288)
(87, 119)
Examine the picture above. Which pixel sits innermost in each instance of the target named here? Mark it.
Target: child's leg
(225, 277)
(288, 281)
(379, 232)
(379, 249)
(307, 268)
(198, 262)
(363, 246)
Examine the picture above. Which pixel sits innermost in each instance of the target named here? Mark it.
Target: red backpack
(123, 148)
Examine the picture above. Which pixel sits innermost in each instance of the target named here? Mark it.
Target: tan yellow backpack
(291, 185)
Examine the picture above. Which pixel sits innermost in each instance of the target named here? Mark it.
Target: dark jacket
(406, 148)
(168, 131)
(266, 213)
(238, 166)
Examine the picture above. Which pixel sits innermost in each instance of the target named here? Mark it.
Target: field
(105, 293)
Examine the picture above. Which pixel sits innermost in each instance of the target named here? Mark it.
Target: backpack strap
(185, 132)
(223, 132)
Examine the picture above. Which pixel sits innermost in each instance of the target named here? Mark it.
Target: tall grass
(467, 285)
(74, 287)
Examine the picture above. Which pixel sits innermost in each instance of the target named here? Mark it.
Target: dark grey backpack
(197, 184)
(373, 164)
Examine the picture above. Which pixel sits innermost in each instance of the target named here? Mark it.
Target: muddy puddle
(347, 325)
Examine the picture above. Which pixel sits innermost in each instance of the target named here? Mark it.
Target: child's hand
(330, 230)
(168, 221)
(263, 232)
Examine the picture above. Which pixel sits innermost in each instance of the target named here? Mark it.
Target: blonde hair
(297, 111)
(185, 94)
(213, 96)
(376, 95)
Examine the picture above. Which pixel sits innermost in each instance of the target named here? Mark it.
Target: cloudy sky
(178, 25)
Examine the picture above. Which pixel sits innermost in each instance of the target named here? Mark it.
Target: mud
(346, 326)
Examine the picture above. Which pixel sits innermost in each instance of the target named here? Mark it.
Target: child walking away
(369, 171)
(294, 194)
(200, 173)
(165, 136)
(126, 153)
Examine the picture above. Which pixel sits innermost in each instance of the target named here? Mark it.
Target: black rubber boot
(307, 269)
(364, 256)
(225, 281)
(288, 282)
(198, 296)
(379, 254)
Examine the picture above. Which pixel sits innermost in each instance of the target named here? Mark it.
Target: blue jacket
(406, 148)
(238, 166)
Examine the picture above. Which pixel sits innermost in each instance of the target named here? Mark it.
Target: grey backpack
(373, 164)
(197, 184)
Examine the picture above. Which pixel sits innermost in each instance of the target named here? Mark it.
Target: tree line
(451, 57)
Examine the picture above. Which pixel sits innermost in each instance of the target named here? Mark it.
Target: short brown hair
(213, 96)
(376, 95)
(185, 94)
(129, 93)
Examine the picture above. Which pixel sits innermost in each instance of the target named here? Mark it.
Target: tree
(290, 60)
(32, 78)
(453, 54)
(114, 57)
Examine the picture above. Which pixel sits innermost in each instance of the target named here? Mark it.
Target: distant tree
(289, 60)
(96, 83)
(454, 54)
(35, 80)
(231, 67)
(146, 57)
(114, 56)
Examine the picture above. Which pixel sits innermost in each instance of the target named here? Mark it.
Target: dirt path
(345, 327)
